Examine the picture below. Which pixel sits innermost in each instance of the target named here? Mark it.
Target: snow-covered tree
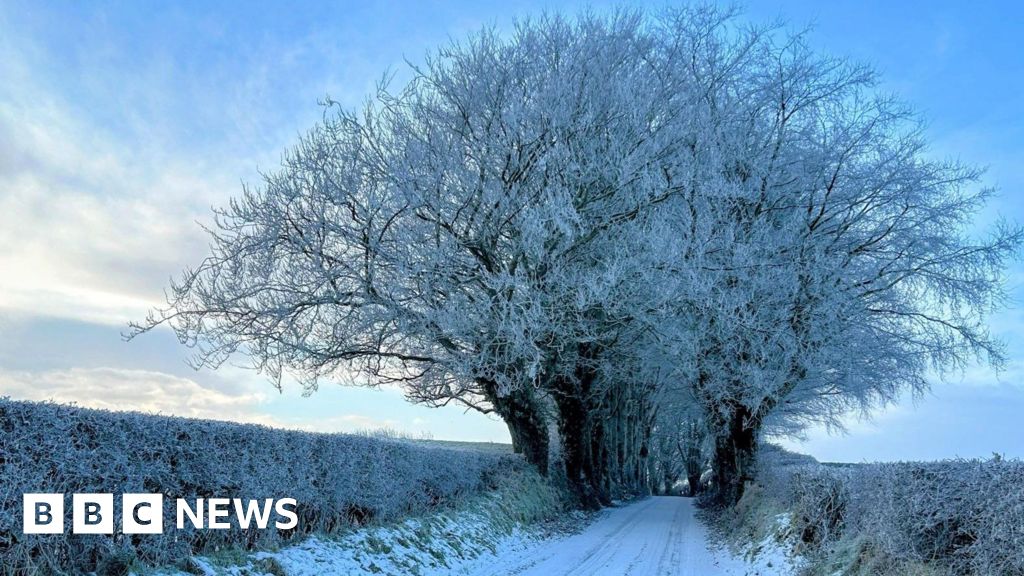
(470, 236)
(841, 267)
(680, 448)
(583, 221)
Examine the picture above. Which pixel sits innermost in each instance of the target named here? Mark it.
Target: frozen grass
(948, 518)
(759, 533)
(519, 512)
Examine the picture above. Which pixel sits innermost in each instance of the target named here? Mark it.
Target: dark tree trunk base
(694, 483)
(573, 426)
(734, 459)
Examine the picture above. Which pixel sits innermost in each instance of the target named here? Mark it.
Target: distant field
(495, 447)
(391, 434)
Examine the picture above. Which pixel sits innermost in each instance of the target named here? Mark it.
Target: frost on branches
(614, 226)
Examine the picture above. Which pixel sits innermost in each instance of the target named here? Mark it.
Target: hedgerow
(960, 517)
(339, 481)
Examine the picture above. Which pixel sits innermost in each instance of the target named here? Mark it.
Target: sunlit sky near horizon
(122, 123)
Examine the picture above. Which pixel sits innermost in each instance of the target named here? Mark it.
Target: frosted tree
(841, 264)
(474, 237)
(680, 444)
(581, 222)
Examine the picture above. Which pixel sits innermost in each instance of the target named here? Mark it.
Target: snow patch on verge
(436, 545)
(772, 555)
(522, 512)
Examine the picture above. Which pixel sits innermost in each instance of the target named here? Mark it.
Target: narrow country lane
(659, 536)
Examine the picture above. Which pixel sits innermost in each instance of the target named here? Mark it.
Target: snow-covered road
(658, 536)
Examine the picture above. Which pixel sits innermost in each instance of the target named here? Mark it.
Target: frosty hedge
(955, 517)
(339, 481)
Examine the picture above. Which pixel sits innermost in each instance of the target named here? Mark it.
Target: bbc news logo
(144, 513)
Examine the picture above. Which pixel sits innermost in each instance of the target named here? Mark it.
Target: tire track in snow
(659, 536)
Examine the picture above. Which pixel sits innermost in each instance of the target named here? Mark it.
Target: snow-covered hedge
(956, 516)
(338, 480)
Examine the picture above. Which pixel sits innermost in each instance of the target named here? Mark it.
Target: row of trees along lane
(652, 234)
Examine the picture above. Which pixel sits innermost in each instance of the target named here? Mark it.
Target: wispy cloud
(159, 393)
(92, 224)
(112, 148)
(116, 389)
(96, 241)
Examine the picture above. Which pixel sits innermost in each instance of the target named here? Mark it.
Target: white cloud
(145, 391)
(159, 393)
(104, 174)
(92, 228)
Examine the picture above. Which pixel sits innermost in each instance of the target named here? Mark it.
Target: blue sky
(122, 123)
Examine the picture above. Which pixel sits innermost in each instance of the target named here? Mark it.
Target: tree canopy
(617, 227)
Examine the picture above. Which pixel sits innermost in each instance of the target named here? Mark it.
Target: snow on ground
(656, 536)
(444, 542)
(659, 536)
(772, 556)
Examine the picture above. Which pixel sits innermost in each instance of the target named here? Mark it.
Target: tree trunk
(596, 463)
(524, 415)
(694, 460)
(643, 467)
(694, 482)
(735, 450)
(576, 447)
(582, 437)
